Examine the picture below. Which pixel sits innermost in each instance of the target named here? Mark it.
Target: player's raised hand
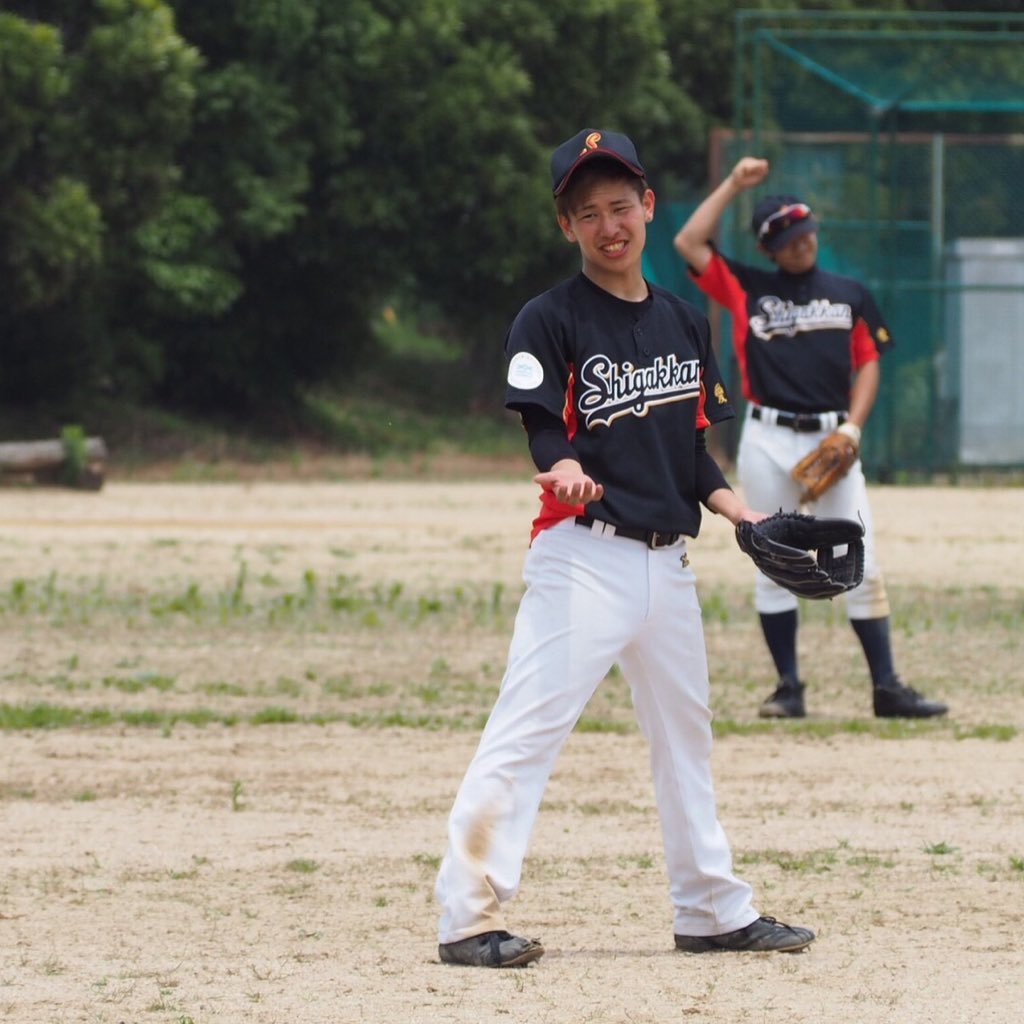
(749, 171)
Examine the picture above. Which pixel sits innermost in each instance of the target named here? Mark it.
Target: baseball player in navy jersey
(808, 344)
(616, 382)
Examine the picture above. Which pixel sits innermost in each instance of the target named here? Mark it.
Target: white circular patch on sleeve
(525, 372)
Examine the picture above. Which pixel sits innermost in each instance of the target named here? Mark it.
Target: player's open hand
(571, 487)
(749, 171)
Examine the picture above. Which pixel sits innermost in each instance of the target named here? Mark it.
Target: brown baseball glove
(820, 469)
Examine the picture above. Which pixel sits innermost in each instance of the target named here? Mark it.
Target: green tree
(497, 91)
(98, 108)
(210, 203)
(50, 229)
(269, 113)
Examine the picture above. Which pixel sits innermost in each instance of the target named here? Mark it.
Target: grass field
(234, 717)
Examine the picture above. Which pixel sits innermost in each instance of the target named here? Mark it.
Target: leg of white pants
(848, 499)
(765, 457)
(666, 667)
(578, 612)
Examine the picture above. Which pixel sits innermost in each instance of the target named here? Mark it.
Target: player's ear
(566, 226)
(648, 205)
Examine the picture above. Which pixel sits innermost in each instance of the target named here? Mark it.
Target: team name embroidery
(784, 317)
(611, 390)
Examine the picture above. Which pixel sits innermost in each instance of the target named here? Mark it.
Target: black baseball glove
(798, 552)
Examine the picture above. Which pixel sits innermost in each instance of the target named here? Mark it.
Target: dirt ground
(283, 874)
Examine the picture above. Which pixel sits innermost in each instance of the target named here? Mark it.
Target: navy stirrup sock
(874, 638)
(780, 634)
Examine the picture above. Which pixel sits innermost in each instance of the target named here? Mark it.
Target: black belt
(802, 422)
(652, 538)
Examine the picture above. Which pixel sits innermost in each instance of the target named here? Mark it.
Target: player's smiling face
(609, 224)
(799, 255)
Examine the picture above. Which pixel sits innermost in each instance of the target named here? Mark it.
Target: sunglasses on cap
(781, 219)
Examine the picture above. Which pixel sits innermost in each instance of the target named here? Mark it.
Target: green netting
(941, 72)
(906, 136)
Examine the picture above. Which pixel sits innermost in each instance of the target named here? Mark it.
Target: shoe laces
(904, 690)
(776, 923)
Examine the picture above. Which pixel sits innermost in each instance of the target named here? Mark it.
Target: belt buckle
(806, 422)
(656, 539)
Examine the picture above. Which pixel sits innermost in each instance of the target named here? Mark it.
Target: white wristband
(851, 430)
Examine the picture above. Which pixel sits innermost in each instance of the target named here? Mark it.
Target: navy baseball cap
(777, 220)
(584, 146)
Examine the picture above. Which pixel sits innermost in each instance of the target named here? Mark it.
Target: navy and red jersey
(797, 337)
(633, 382)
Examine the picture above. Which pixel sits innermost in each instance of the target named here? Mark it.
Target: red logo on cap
(591, 142)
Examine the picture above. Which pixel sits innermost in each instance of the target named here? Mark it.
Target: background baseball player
(808, 344)
(616, 382)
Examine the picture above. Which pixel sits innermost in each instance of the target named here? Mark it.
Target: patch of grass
(824, 729)
(223, 689)
(189, 602)
(715, 608)
(138, 683)
(644, 861)
(287, 687)
(62, 682)
(386, 625)
(52, 966)
(50, 716)
(17, 717)
(806, 862)
(870, 860)
(312, 604)
(368, 422)
(302, 866)
(431, 861)
(609, 807)
(432, 693)
(12, 793)
(340, 687)
(1002, 733)
(274, 716)
(592, 725)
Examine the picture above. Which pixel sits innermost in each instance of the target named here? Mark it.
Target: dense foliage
(207, 205)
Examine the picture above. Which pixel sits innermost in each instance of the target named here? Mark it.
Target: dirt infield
(235, 717)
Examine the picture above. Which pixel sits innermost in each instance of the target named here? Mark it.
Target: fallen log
(80, 464)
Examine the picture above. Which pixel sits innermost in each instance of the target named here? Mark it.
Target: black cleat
(491, 949)
(894, 700)
(762, 936)
(786, 702)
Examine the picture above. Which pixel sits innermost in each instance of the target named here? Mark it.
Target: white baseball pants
(592, 601)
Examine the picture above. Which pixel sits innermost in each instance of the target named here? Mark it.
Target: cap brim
(590, 154)
(803, 227)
